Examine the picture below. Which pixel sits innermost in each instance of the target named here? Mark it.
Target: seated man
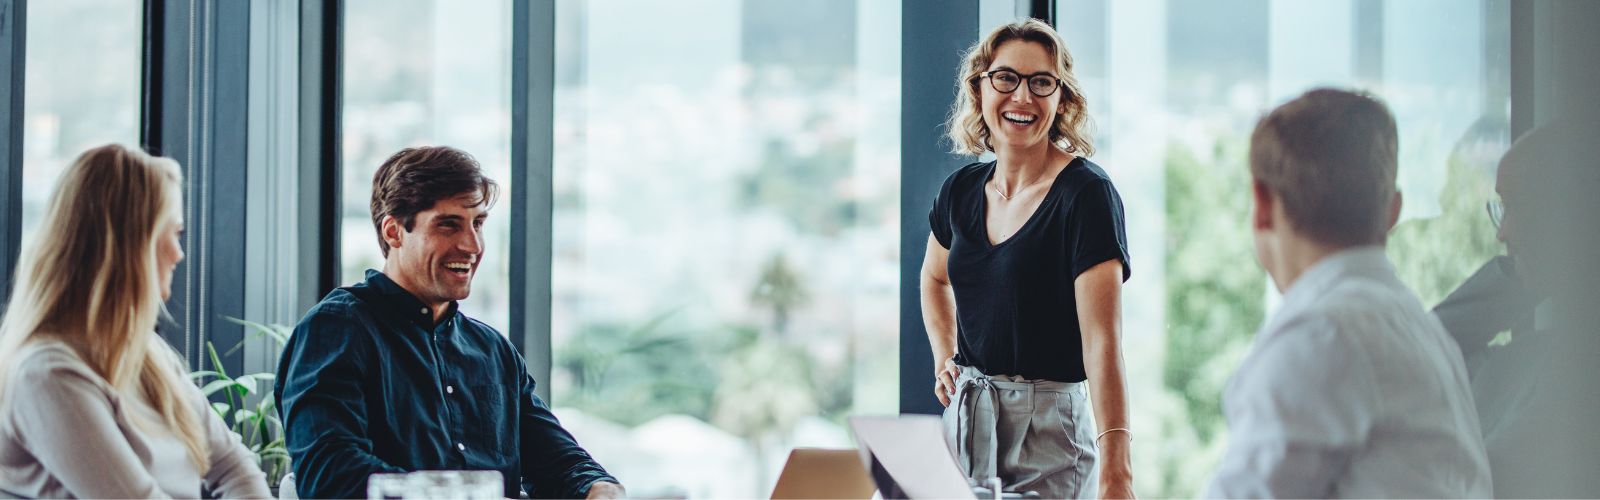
(1537, 400)
(1352, 388)
(388, 376)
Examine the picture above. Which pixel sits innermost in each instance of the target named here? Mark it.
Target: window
(726, 255)
(428, 72)
(81, 90)
(1175, 89)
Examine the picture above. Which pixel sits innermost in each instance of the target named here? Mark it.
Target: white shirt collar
(1369, 261)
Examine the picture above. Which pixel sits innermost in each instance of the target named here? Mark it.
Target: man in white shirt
(1352, 388)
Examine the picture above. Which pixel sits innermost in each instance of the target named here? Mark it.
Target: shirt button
(449, 389)
(424, 310)
(461, 447)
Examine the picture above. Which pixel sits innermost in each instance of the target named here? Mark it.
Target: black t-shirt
(1015, 308)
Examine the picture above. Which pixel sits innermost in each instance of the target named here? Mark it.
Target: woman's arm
(70, 427)
(1099, 302)
(939, 318)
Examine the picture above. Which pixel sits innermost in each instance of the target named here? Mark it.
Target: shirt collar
(1368, 261)
(405, 304)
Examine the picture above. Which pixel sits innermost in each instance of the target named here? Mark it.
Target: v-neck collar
(983, 204)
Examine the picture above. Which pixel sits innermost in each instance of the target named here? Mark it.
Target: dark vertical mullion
(1523, 59)
(164, 130)
(13, 66)
(1043, 10)
(150, 76)
(227, 115)
(1496, 57)
(321, 122)
(532, 145)
(932, 37)
(196, 72)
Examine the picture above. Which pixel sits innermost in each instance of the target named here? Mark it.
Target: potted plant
(246, 402)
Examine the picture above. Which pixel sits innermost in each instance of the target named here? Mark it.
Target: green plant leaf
(221, 409)
(649, 344)
(267, 405)
(259, 428)
(254, 378)
(278, 333)
(217, 385)
(196, 376)
(211, 349)
(251, 384)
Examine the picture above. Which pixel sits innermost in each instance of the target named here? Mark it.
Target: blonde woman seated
(93, 404)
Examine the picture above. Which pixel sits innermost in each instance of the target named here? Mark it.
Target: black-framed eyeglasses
(1497, 212)
(1006, 81)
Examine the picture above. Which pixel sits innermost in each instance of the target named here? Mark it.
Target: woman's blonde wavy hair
(90, 279)
(1069, 129)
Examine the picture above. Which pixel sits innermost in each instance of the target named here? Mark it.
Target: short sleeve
(1095, 228)
(939, 219)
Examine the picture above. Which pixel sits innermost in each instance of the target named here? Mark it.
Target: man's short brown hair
(414, 179)
(1331, 155)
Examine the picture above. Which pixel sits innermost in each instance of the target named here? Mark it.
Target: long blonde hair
(90, 279)
(1069, 128)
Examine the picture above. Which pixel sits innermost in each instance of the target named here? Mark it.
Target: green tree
(1433, 256)
(779, 289)
(765, 388)
(631, 375)
(1215, 289)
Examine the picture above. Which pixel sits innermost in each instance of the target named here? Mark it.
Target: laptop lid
(822, 473)
(908, 457)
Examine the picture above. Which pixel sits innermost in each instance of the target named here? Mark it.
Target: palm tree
(779, 289)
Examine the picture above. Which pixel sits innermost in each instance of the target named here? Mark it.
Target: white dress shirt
(1352, 389)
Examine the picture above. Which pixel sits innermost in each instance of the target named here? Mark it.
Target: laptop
(823, 473)
(908, 458)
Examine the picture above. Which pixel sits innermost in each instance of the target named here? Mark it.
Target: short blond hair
(1069, 129)
(1332, 156)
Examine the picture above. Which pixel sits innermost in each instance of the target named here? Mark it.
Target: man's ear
(390, 229)
(1394, 211)
(1261, 210)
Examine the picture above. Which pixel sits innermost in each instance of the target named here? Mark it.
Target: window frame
(210, 137)
(533, 46)
(13, 55)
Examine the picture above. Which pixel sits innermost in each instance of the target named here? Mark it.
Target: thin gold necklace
(1014, 192)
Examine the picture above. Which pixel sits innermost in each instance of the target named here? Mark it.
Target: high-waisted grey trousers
(1035, 435)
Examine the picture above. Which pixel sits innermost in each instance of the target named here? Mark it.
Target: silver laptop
(908, 458)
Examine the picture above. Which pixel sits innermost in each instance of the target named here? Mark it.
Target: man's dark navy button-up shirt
(369, 383)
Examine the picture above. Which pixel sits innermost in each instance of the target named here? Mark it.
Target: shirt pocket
(491, 419)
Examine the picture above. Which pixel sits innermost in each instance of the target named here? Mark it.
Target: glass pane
(81, 90)
(442, 80)
(726, 238)
(1175, 89)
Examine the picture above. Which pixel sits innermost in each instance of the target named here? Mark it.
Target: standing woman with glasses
(93, 404)
(1022, 282)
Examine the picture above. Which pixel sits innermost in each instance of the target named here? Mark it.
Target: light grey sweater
(67, 433)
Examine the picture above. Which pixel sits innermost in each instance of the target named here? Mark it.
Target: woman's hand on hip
(944, 384)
